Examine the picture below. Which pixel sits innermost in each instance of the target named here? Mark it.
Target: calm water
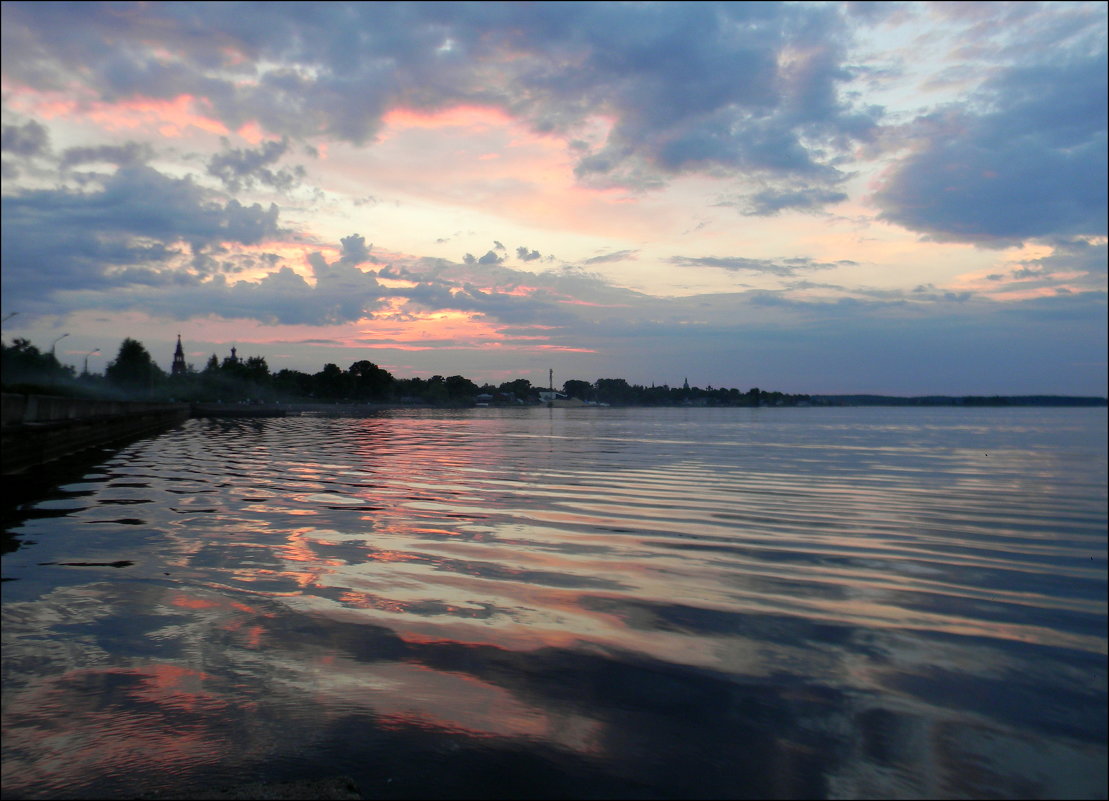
(572, 603)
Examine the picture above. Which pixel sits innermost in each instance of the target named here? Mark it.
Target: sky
(893, 198)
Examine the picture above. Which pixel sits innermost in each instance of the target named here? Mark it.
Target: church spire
(179, 367)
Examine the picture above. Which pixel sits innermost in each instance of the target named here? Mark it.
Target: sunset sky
(898, 198)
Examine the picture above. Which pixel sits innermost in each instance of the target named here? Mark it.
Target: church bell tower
(179, 367)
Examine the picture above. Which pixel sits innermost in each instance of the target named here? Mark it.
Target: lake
(571, 603)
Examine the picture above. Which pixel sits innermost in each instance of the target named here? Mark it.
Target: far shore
(278, 408)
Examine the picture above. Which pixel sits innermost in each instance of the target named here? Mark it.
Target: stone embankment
(38, 429)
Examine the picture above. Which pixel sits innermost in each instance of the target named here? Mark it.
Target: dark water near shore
(572, 603)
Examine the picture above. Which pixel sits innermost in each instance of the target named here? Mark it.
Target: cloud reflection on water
(747, 641)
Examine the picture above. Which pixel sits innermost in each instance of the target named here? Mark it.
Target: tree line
(134, 374)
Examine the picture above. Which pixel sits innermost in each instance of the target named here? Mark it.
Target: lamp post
(56, 341)
(53, 358)
(86, 370)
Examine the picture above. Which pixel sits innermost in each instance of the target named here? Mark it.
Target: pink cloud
(171, 118)
(473, 117)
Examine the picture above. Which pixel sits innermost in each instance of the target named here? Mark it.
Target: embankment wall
(40, 428)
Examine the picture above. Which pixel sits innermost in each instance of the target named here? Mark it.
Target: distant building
(549, 395)
(179, 366)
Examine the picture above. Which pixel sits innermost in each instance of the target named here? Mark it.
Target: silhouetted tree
(521, 388)
(410, 389)
(23, 363)
(461, 389)
(256, 369)
(133, 371)
(330, 382)
(293, 384)
(369, 382)
(581, 390)
(435, 390)
(614, 390)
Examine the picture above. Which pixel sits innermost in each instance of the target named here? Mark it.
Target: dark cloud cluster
(490, 291)
(618, 255)
(26, 140)
(242, 168)
(1077, 263)
(499, 254)
(771, 201)
(733, 87)
(742, 87)
(1024, 158)
(779, 267)
(756, 89)
(340, 292)
(490, 257)
(136, 226)
(127, 154)
(30, 140)
(355, 251)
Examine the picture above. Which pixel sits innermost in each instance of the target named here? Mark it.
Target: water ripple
(855, 588)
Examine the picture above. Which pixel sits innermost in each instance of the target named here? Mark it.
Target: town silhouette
(134, 374)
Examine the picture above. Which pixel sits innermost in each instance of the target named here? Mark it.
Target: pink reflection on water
(122, 724)
(426, 698)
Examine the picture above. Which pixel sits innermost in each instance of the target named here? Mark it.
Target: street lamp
(53, 358)
(86, 370)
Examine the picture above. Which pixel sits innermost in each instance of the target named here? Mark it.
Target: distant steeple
(234, 358)
(179, 367)
(685, 384)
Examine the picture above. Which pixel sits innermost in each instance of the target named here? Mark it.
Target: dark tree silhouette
(23, 363)
(521, 387)
(615, 390)
(369, 382)
(292, 384)
(133, 371)
(459, 388)
(330, 383)
(582, 390)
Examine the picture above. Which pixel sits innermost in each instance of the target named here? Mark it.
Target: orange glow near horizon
(462, 330)
(440, 330)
